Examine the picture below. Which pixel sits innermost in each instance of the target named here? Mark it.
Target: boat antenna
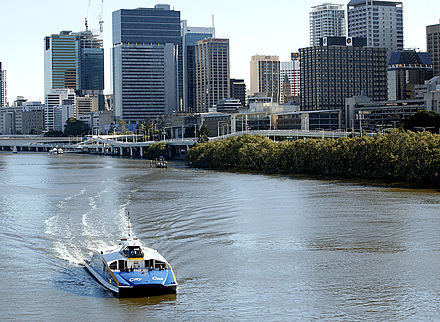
(129, 224)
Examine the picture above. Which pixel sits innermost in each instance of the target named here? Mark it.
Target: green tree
(397, 156)
(157, 150)
(147, 128)
(122, 126)
(73, 127)
(53, 133)
(423, 120)
(203, 135)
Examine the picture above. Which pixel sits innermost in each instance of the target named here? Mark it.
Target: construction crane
(101, 22)
(87, 17)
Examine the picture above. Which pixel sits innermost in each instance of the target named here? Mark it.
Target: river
(243, 246)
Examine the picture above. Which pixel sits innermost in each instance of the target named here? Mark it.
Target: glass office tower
(75, 60)
(147, 62)
(60, 61)
(90, 66)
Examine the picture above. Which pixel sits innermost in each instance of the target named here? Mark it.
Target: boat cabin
(128, 258)
(136, 265)
(132, 252)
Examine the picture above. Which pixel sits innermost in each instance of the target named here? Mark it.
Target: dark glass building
(341, 68)
(90, 69)
(147, 46)
(158, 25)
(238, 90)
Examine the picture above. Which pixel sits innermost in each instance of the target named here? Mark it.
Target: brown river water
(243, 246)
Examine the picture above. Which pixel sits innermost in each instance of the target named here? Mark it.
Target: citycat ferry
(132, 269)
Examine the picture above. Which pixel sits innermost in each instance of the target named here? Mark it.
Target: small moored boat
(131, 269)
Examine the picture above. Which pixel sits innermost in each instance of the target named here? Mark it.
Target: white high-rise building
(326, 20)
(212, 72)
(433, 46)
(380, 22)
(54, 99)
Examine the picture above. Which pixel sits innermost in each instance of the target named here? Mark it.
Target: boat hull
(139, 290)
(146, 290)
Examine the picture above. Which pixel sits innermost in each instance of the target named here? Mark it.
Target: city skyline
(24, 62)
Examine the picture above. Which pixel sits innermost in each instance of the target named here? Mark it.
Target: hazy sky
(275, 27)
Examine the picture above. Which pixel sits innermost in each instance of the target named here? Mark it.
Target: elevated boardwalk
(134, 146)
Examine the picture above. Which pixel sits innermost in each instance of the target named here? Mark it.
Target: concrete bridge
(133, 145)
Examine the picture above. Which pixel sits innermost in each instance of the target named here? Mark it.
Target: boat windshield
(133, 252)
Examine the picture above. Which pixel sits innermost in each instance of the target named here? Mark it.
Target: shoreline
(399, 159)
(401, 185)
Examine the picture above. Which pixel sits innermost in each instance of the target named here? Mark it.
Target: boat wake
(74, 237)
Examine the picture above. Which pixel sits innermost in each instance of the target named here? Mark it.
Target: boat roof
(113, 253)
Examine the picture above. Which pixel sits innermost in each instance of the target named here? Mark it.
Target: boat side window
(113, 265)
(160, 265)
(121, 265)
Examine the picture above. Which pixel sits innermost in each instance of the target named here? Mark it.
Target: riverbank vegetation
(397, 156)
(157, 150)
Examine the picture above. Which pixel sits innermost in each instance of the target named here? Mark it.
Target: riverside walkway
(133, 145)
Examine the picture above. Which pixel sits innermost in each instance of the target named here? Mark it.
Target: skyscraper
(265, 76)
(60, 61)
(212, 72)
(90, 64)
(74, 61)
(3, 101)
(326, 20)
(342, 68)
(433, 46)
(190, 36)
(379, 21)
(147, 62)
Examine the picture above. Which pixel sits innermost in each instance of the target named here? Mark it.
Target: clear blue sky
(253, 27)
